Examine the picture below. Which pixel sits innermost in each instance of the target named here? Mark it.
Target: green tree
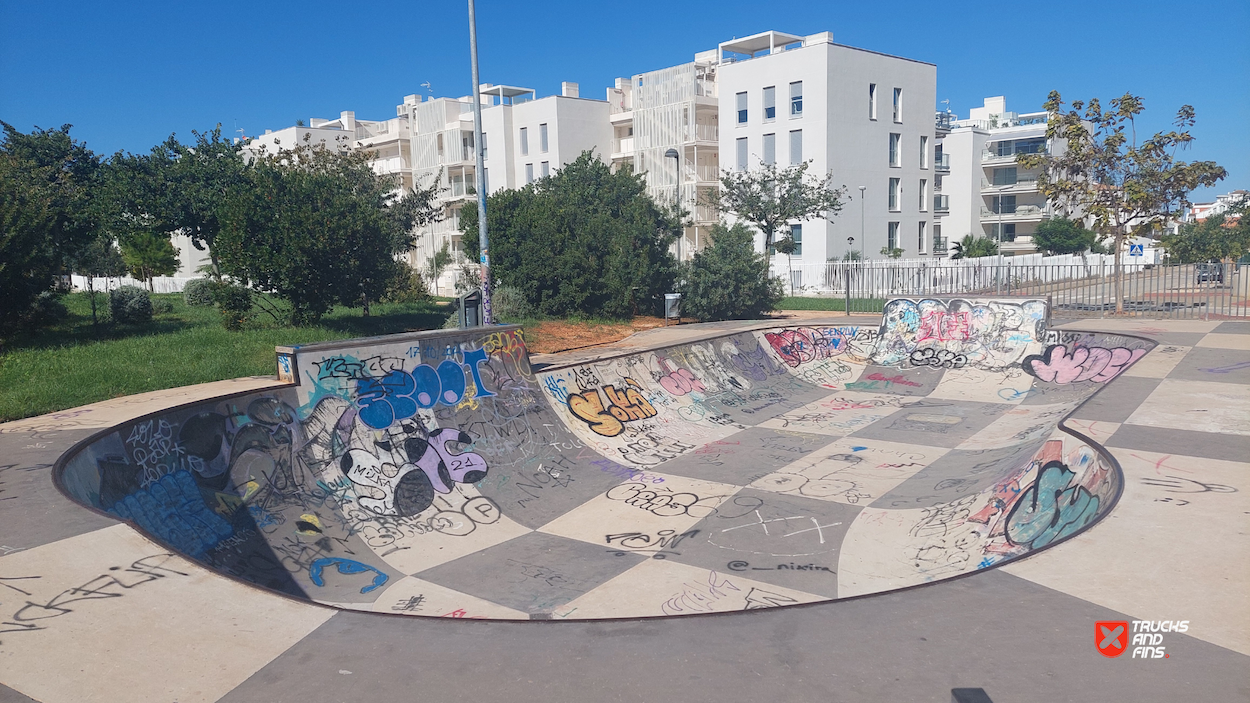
(972, 246)
(202, 178)
(1061, 235)
(895, 253)
(1215, 238)
(149, 254)
(729, 280)
(787, 246)
(1128, 189)
(47, 183)
(585, 240)
(771, 198)
(100, 258)
(318, 227)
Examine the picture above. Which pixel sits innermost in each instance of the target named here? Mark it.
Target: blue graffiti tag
(344, 566)
(1050, 508)
(172, 509)
(399, 394)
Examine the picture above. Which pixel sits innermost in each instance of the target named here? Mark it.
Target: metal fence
(1194, 291)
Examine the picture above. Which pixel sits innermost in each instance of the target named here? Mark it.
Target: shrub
(48, 308)
(162, 306)
(509, 303)
(130, 305)
(235, 304)
(199, 292)
(728, 280)
(408, 286)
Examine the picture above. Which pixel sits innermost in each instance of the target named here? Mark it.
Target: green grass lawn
(71, 364)
(858, 305)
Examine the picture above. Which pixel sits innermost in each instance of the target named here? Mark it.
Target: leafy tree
(202, 178)
(99, 259)
(585, 240)
(1061, 235)
(729, 280)
(148, 254)
(47, 181)
(1128, 189)
(895, 253)
(318, 227)
(1215, 238)
(771, 198)
(787, 247)
(972, 246)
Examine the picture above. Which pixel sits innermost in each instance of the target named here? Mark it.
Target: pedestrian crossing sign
(1136, 249)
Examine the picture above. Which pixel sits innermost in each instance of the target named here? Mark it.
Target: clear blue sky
(128, 74)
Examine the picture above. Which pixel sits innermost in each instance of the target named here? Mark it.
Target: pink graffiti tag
(1096, 364)
(944, 326)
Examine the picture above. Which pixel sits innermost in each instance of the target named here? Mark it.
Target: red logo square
(1111, 637)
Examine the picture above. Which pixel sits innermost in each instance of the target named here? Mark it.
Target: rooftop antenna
(947, 103)
(427, 86)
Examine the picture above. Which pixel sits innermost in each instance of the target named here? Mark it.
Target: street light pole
(861, 220)
(850, 242)
(479, 175)
(676, 157)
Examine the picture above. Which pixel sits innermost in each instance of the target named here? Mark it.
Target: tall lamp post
(850, 242)
(479, 175)
(861, 220)
(676, 157)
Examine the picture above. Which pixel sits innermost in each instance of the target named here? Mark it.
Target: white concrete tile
(1096, 430)
(112, 617)
(854, 471)
(414, 596)
(1200, 406)
(841, 414)
(1158, 362)
(1023, 423)
(1009, 387)
(1240, 342)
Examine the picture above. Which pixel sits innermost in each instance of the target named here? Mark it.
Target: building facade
(863, 116)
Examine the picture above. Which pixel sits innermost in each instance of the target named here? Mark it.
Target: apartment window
(938, 245)
(896, 141)
(542, 137)
(924, 152)
(525, 141)
(546, 169)
(896, 194)
(1005, 176)
(742, 108)
(872, 101)
(898, 104)
(770, 149)
(770, 103)
(483, 146)
(796, 99)
(529, 173)
(796, 147)
(1021, 146)
(1004, 204)
(1003, 233)
(796, 233)
(891, 237)
(440, 147)
(921, 245)
(924, 194)
(741, 144)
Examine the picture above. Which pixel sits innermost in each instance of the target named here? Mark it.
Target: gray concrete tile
(1117, 401)
(958, 473)
(1164, 440)
(745, 456)
(1213, 364)
(1234, 327)
(937, 423)
(532, 573)
(1017, 640)
(8, 695)
(783, 540)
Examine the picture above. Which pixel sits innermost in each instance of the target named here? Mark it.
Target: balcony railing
(942, 162)
(624, 145)
(706, 132)
(988, 156)
(706, 174)
(1017, 212)
(1021, 181)
(941, 203)
(943, 120)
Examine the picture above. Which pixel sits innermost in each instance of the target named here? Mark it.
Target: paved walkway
(93, 612)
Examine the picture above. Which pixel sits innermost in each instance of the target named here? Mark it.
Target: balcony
(1022, 184)
(1019, 213)
(706, 133)
(943, 120)
(622, 147)
(989, 157)
(941, 204)
(942, 163)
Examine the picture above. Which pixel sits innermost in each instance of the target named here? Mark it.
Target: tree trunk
(790, 268)
(1119, 274)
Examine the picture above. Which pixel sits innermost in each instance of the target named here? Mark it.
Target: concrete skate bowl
(439, 474)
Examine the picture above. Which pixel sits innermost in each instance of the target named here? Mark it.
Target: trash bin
(672, 307)
(470, 312)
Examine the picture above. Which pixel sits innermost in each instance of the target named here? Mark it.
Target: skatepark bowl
(439, 474)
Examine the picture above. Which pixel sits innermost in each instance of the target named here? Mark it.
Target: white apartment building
(525, 138)
(987, 194)
(1221, 205)
(665, 125)
(863, 116)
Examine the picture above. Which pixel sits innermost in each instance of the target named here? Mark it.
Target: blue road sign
(1137, 250)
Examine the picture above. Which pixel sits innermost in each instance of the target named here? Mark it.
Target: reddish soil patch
(554, 336)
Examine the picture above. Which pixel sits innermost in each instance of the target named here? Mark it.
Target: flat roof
(507, 91)
(758, 42)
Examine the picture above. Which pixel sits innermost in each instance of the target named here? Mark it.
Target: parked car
(1210, 272)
